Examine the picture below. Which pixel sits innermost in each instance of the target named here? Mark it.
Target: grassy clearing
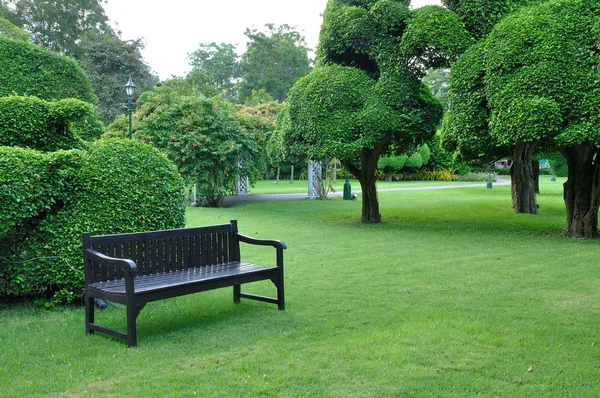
(453, 295)
(301, 186)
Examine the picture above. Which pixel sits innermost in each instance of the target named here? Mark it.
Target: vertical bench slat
(213, 249)
(219, 249)
(172, 242)
(186, 252)
(196, 250)
(110, 251)
(204, 250)
(104, 269)
(141, 262)
(161, 256)
(119, 254)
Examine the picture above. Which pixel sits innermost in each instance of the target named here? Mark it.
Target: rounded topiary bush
(113, 186)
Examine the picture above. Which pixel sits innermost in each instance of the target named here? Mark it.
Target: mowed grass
(284, 186)
(453, 295)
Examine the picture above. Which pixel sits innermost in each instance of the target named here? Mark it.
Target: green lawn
(301, 186)
(453, 295)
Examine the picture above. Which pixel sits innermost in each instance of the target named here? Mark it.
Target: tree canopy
(207, 138)
(530, 83)
(274, 60)
(364, 98)
(80, 29)
(220, 63)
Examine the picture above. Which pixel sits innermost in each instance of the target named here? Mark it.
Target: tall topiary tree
(364, 96)
(532, 83)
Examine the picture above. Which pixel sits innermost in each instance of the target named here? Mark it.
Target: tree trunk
(277, 177)
(582, 190)
(535, 166)
(388, 176)
(366, 177)
(522, 181)
(292, 175)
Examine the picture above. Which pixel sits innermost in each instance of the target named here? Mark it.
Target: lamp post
(129, 91)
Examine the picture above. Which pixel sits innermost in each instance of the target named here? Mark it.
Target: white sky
(171, 30)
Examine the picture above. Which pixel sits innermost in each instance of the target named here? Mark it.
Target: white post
(311, 193)
(242, 183)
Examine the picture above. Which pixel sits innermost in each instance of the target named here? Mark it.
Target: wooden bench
(137, 268)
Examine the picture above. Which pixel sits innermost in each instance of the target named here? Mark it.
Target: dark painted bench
(137, 268)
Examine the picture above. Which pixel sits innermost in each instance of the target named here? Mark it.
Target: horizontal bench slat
(178, 278)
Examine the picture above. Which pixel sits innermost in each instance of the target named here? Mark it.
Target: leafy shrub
(444, 174)
(114, 186)
(207, 140)
(414, 161)
(34, 123)
(476, 176)
(27, 69)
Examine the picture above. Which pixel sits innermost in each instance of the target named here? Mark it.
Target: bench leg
(280, 295)
(237, 290)
(89, 313)
(132, 313)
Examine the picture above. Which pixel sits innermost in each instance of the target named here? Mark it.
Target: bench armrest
(125, 264)
(263, 242)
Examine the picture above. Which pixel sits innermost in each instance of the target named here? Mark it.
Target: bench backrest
(165, 251)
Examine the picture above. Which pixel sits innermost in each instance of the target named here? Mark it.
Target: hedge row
(34, 123)
(112, 186)
(27, 69)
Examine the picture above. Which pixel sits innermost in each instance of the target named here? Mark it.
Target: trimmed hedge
(27, 69)
(113, 186)
(34, 123)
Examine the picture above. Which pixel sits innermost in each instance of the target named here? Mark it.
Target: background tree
(438, 81)
(532, 91)
(80, 29)
(11, 31)
(274, 60)
(60, 24)
(364, 96)
(109, 62)
(220, 63)
(204, 138)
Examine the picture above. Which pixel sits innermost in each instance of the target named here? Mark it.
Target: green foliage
(425, 153)
(433, 48)
(479, 16)
(111, 187)
(438, 81)
(109, 62)
(364, 97)
(466, 126)
(11, 31)
(525, 82)
(274, 60)
(205, 139)
(393, 163)
(60, 25)
(414, 161)
(219, 62)
(31, 70)
(49, 126)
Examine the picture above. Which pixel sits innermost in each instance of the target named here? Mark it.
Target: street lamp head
(129, 87)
